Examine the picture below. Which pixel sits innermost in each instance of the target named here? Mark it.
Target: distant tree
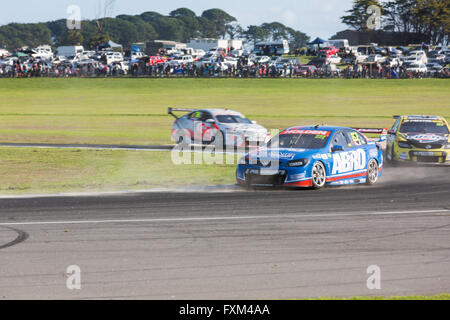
(71, 38)
(256, 34)
(433, 17)
(430, 18)
(18, 35)
(183, 12)
(97, 40)
(121, 31)
(276, 30)
(150, 16)
(358, 17)
(105, 9)
(297, 39)
(145, 31)
(58, 29)
(220, 19)
(181, 24)
(190, 22)
(207, 28)
(169, 28)
(399, 15)
(234, 30)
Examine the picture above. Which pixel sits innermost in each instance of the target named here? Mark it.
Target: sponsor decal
(320, 157)
(373, 153)
(426, 137)
(295, 177)
(314, 132)
(349, 161)
(287, 156)
(424, 154)
(403, 156)
(356, 138)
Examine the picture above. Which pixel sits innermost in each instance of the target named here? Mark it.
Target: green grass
(444, 296)
(27, 171)
(134, 111)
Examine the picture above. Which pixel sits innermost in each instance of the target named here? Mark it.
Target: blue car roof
(323, 128)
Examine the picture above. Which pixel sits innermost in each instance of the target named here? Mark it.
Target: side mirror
(337, 149)
(210, 121)
(391, 132)
(254, 122)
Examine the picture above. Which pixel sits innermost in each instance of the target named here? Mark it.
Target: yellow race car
(419, 139)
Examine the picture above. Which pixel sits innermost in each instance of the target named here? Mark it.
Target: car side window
(396, 125)
(355, 138)
(195, 115)
(205, 116)
(339, 139)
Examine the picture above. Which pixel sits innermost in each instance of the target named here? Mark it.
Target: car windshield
(300, 139)
(232, 119)
(424, 127)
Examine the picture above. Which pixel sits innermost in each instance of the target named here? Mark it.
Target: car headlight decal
(298, 163)
(404, 144)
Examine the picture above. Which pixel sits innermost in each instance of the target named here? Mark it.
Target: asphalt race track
(233, 244)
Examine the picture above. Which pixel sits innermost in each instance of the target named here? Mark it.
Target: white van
(4, 52)
(113, 57)
(341, 44)
(42, 53)
(69, 51)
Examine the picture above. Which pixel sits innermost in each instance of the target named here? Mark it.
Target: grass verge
(444, 296)
(134, 111)
(28, 171)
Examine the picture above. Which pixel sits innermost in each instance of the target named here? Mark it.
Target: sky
(317, 18)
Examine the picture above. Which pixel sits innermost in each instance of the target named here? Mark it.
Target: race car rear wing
(172, 110)
(382, 132)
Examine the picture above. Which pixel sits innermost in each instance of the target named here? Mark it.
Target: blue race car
(314, 157)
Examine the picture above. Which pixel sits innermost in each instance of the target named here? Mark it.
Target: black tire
(181, 139)
(391, 161)
(372, 172)
(319, 175)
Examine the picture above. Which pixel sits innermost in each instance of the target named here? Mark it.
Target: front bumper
(436, 156)
(277, 177)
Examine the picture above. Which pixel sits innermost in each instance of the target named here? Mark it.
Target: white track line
(191, 189)
(85, 148)
(391, 213)
(194, 150)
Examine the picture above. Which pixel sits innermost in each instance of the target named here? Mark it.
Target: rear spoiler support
(172, 110)
(382, 132)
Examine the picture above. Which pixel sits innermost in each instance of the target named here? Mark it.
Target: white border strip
(200, 219)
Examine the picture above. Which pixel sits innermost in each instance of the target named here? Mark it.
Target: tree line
(180, 25)
(430, 18)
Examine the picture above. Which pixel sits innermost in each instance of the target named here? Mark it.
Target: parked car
(376, 58)
(419, 56)
(416, 67)
(433, 68)
(305, 70)
(123, 67)
(111, 57)
(334, 59)
(181, 60)
(360, 57)
(263, 59)
(317, 62)
(394, 62)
